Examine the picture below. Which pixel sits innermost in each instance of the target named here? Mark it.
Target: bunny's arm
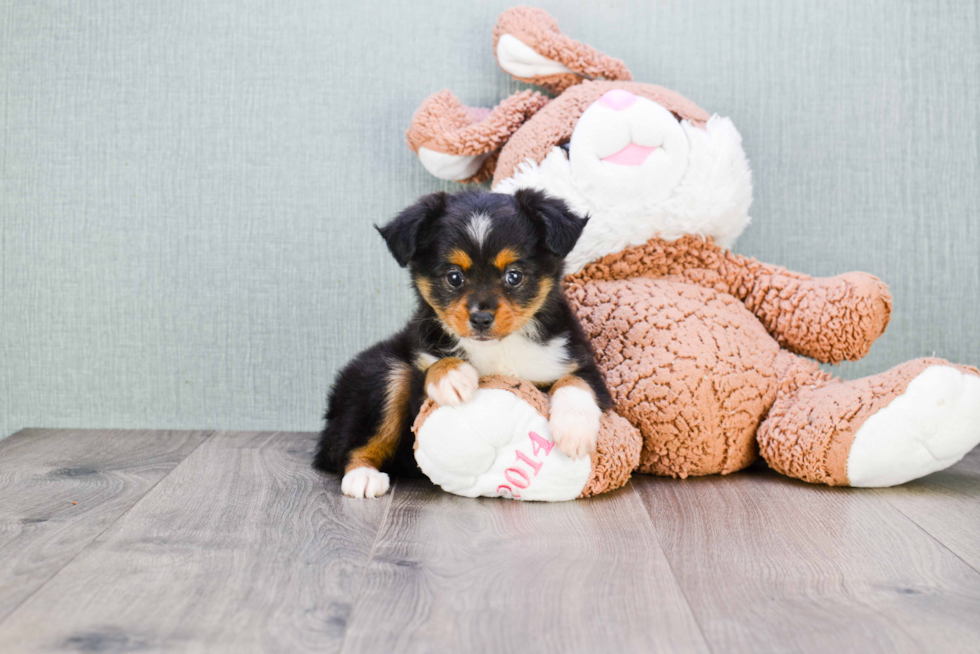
(829, 319)
(459, 143)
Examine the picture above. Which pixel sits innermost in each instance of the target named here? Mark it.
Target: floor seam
(924, 530)
(107, 528)
(670, 566)
(367, 565)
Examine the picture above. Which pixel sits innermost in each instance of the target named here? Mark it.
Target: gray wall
(187, 188)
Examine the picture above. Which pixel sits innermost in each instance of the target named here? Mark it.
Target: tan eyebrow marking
(461, 259)
(504, 258)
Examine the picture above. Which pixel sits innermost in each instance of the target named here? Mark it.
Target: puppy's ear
(402, 233)
(558, 226)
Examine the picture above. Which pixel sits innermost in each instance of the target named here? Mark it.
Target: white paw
(927, 428)
(574, 422)
(458, 386)
(364, 482)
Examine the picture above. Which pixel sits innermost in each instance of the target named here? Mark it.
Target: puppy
(487, 272)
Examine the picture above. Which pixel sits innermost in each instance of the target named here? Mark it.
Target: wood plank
(61, 488)
(451, 574)
(946, 505)
(772, 564)
(242, 547)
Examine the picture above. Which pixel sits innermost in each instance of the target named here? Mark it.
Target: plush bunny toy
(710, 356)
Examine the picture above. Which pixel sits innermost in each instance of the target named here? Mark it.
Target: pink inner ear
(631, 155)
(617, 99)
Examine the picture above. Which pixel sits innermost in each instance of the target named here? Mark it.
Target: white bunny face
(679, 179)
(627, 148)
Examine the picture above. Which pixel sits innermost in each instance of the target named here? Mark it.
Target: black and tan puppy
(487, 270)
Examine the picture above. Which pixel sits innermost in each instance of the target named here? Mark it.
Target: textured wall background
(187, 188)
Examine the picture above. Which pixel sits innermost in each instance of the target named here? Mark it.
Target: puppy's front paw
(364, 482)
(574, 421)
(452, 382)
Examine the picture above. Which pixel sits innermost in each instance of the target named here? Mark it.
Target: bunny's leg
(499, 445)
(530, 47)
(830, 319)
(917, 418)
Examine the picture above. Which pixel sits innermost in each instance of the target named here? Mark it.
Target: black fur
(557, 227)
(402, 233)
(541, 230)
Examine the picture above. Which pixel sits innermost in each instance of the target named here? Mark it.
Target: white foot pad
(497, 445)
(451, 167)
(364, 482)
(929, 427)
(521, 60)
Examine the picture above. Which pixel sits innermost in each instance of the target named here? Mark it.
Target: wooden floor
(125, 541)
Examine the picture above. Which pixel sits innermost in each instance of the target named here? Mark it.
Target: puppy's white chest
(521, 357)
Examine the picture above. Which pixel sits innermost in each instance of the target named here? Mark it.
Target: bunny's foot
(500, 444)
(915, 419)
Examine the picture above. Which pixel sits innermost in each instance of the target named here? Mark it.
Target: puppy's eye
(513, 278)
(455, 279)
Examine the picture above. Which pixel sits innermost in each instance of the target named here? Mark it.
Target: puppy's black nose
(481, 320)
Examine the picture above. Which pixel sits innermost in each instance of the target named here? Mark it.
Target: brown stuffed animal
(710, 355)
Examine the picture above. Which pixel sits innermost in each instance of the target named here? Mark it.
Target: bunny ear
(459, 143)
(530, 47)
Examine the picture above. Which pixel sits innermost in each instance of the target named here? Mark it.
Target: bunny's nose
(617, 99)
